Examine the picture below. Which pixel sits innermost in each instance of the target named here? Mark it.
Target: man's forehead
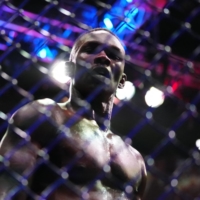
(103, 37)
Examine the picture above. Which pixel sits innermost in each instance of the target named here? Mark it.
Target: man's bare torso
(80, 161)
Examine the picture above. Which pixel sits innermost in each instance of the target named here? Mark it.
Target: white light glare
(42, 53)
(108, 23)
(127, 92)
(198, 144)
(58, 72)
(154, 97)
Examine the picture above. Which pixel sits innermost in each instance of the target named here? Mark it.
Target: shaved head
(79, 41)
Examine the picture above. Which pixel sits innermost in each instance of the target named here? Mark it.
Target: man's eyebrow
(112, 47)
(90, 43)
(116, 48)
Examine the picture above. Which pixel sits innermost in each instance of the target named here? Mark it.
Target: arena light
(135, 17)
(42, 53)
(46, 53)
(198, 144)
(127, 92)
(66, 33)
(108, 23)
(154, 97)
(58, 72)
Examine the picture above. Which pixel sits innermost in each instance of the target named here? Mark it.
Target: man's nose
(102, 58)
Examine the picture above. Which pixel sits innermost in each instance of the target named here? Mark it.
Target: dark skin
(66, 151)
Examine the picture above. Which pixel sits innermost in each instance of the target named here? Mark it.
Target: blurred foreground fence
(162, 40)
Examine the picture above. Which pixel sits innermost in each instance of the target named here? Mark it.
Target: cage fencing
(162, 43)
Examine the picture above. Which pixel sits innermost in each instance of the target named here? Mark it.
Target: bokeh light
(127, 92)
(59, 73)
(154, 97)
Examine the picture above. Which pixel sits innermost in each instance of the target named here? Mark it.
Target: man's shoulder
(33, 110)
(45, 102)
(117, 141)
(123, 148)
(36, 106)
(125, 155)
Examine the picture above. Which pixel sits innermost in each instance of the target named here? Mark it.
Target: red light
(175, 86)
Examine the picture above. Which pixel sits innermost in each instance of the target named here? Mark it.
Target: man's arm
(140, 189)
(18, 157)
(130, 164)
(29, 130)
(142, 185)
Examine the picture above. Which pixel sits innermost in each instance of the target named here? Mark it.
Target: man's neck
(98, 110)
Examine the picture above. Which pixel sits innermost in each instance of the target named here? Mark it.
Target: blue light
(12, 34)
(89, 16)
(54, 53)
(42, 53)
(133, 12)
(48, 53)
(108, 23)
(66, 33)
(135, 18)
(141, 16)
(46, 27)
(89, 13)
(121, 3)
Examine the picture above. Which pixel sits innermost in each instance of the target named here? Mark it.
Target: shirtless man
(58, 151)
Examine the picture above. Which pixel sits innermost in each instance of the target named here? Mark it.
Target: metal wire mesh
(162, 46)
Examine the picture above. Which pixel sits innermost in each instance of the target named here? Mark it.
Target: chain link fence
(162, 41)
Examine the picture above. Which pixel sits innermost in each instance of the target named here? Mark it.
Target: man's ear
(122, 81)
(70, 68)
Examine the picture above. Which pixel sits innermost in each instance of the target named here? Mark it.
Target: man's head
(79, 41)
(99, 58)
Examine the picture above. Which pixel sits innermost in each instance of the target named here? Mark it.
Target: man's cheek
(83, 56)
(83, 62)
(117, 74)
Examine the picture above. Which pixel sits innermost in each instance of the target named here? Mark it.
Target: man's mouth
(102, 71)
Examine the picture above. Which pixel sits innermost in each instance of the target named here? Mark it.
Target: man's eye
(113, 55)
(88, 49)
(92, 48)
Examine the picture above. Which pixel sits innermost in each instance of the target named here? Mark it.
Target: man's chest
(92, 150)
(104, 152)
(90, 145)
(86, 154)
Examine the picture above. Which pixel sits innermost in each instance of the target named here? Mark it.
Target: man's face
(99, 63)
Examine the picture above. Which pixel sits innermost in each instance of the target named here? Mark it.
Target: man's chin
(99, 87)
(100, 79)
(103, 91)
